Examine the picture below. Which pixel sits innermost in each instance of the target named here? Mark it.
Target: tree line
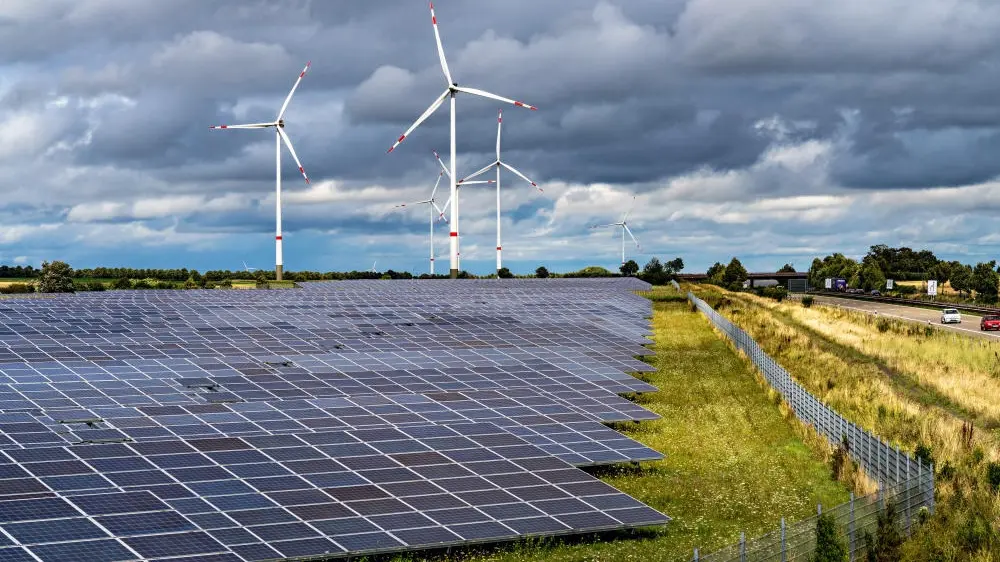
(904, 264)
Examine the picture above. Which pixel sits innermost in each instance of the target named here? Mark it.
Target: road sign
(889, 284)
(829, 283)
(932, 288)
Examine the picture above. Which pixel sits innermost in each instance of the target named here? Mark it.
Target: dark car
(989, 323)
(875, 293)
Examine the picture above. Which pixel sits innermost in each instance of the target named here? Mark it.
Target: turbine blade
(247, 126)
(522, 176)
(441, 216)
(436, 184)
(284, 106)
(423, 117)
(499, 126)
(629, 212)
(443, 167)
(604, 225)
(411, 204)
(485, 94)
(437, 38)
(482, 171)
(288, 143)
(625, 226)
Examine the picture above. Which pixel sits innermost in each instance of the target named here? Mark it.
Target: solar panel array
(333, 420)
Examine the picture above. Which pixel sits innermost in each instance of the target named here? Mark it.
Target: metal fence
(905, 482)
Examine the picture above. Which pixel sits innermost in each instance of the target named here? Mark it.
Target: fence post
(909, 491)
(743, 547)
(784, 554)
(696, 554)
(850, 531)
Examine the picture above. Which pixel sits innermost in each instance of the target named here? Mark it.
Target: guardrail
(905, 482)
(897, 300)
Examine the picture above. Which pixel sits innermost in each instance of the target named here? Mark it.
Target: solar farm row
(337, 419)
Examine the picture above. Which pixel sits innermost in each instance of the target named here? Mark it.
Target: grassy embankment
(733, 461)
(913, 385)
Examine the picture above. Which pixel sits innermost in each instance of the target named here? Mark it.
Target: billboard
(889, 284)
(829, 283)
(932, 288)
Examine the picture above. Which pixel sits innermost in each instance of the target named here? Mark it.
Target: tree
(871, 277)
(629, 268)
(673, 267)
(504, 273)
(835, 266)
(735, 275)
(961, 278)
(985, 281)
(715, 272)
(787, 268)
(541, 272)
(886, 545)
(830, 546)
(653, 272)
(57, 277)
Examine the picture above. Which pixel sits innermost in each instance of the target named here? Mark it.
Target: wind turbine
(498, 164)
(452, 90)
(373, 266)
(279, 137)
(433, 206)
(248, 269)
(625, 228)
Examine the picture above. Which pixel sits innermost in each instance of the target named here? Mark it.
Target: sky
(771, 130)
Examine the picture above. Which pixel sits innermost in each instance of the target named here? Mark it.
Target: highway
(969, 325)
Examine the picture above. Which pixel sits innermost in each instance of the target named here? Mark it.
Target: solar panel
(339, 419)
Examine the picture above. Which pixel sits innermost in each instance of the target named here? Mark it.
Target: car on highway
(876, 293)
(991, 322)
(951, 316)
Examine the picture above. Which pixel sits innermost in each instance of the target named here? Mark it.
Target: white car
(951, 316)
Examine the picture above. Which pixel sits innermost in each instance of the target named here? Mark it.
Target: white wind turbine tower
(452, 90)
(498, 164)
(280, 135)
(625, 228)
(433, 206)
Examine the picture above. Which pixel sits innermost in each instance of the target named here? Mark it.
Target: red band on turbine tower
(454, 234)
(499, 248)
(277, 238)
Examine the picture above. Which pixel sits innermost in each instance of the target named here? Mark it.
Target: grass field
(917, 387)
(733, 461)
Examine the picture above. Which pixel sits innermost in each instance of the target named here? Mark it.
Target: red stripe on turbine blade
(277, 238)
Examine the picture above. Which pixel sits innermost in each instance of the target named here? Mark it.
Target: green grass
(733, 461)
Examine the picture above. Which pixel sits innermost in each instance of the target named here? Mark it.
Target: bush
(807, 301)
(226, 283)
(57, 277)
(885, 545)
(777, 292)
(141, 284)
(190, 283)
(121, 283)
(504, 273)
(830, 546)
(541, 272)
(906, 289)
(210, 285)
(993, 475)
(17, 288)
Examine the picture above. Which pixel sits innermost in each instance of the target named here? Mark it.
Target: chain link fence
(905, 482)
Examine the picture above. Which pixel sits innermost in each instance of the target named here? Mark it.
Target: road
(969, 325)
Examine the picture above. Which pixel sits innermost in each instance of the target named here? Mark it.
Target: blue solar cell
(54, 530)
(15, 554)
(106, 550)
(156, 546)
(145, 523)
(26, 510)
(127, 502)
